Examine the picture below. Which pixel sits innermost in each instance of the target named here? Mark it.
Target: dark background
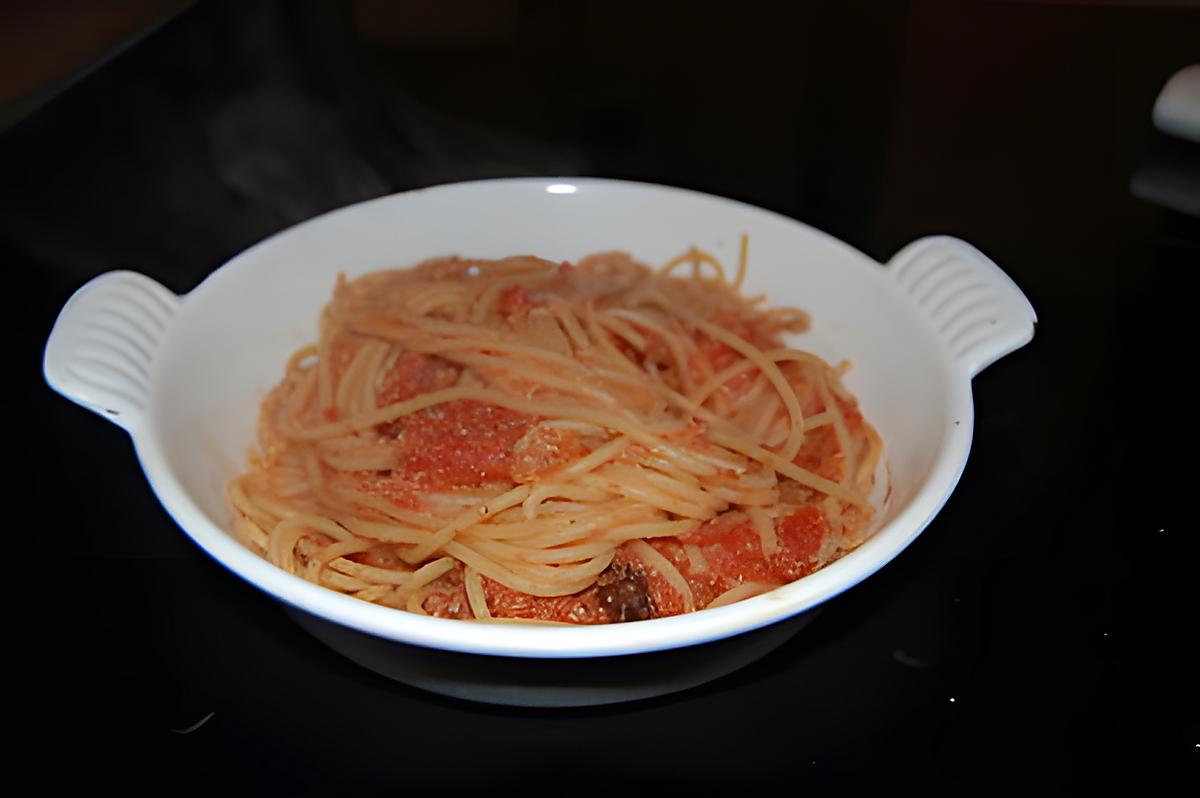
(1040, 633)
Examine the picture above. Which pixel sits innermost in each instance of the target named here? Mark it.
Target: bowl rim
(517, 640)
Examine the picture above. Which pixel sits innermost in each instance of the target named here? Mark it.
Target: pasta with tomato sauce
(582, 443)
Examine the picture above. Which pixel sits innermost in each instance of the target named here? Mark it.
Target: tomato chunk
(458, 444)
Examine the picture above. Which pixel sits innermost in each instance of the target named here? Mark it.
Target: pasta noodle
(518, 439)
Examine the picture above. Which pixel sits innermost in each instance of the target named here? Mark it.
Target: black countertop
(1040, 632)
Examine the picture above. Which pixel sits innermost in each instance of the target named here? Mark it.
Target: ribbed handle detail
(978, 311)
(102, 347)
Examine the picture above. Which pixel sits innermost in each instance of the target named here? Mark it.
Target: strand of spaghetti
(416, 600)
(700, 395)
(597, 505)
(339, 581)
(352, 374)
(456, 499)
(562, 490)
(760, 406)
(596, 458)
(374, 594)
(298, 357)
(427, 573)
(304, 557)
(341, 548)
(543, 329)
(601, 338)
(469, 518)
(314, 475)
(742, 591)
(626, 484)
(725, 435)
(653, 560)
(554, 548)
(757, 497)
(505, 525)
(476, 598)
(694, 255)
(579, 547)
(776, 435)
(366, 397)
(866, 467)
(622, 329)
(697, 562)
(559, 555)
(513, 264)
(764, 527)
(541, 562)
(651, 529)
(286, 477)
(238, 498)
(319, 523)
(326, 332)
(556, 534)
(354, 453)
(533, 587)
(704, 368)
(849, 464)
(300, 398)
(431, 299)
(680, 489)
(817, 420)
(370, 573)
(555, 577)
(250, 533)
(687, 460)
(556, 508)
(284, 535)
(787, 393)
(569, 321)
(675, 343)
(731, 439)
(385, 533)
(528, 540)
(741, 269)
(664, 465)
(388, 508)
(787, 320)
(277, 510)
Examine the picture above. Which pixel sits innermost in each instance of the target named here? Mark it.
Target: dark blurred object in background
(1170, 173)
(46, 45)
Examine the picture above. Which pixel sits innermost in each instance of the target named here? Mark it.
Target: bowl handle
(102, 346)
(978, 311)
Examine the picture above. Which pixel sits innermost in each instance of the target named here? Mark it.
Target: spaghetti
(571, 443)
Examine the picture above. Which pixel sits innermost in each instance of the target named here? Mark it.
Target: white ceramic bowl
(184, 375)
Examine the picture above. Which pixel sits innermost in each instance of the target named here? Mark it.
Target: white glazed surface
(185, 377)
